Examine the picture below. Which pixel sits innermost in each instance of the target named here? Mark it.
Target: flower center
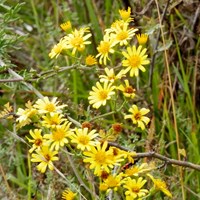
(134, 61)
(47, 157)
(122, 35)
(138, 116)
(59, 134)
(100, 157)
(129, 90)
(77, 42)
(103, 95)
(135, 189)
(104, 47)
(83, 139)
(50, 107)
(38, 142)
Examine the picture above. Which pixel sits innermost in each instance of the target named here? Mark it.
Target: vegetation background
(29, 29)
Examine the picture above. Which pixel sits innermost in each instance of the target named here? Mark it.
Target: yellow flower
(101, 94)
(76, 40)
(6, 112)
(136, 170)
(110, 75)
(104, 48)
(99, 158)
(58, 49)
(134, 188)
(138, 117)
(45, 157)
(68, 195)
(135, 59)
(84, 138)
(142, 38)
(59, 135)
(90, 60)
(160, 185)
(111, 182)
(51, 120)
(46, 106)
(66, 26)
(125, 14)
(25, 115)
(127, 90)
(37, 140)
(121, 33)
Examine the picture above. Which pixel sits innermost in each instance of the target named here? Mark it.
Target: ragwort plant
(110, 170)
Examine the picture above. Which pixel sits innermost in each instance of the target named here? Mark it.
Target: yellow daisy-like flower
(160, 185)
(138, 117)
(101, 94)
(99, 158)
(127, 90)
(45, 157)
(37, 140)
(51, 120)
(66, 26)
(137, 169)
(90, 60)
(25, 115)
(59, 136)
(104, 48)
(112, 182)
(68, 194)
(76, 40)
(84, 138)
(135, 59)
(142, 38)
(46, 106)
(121, 33)
(125, 14)
(58, 49)
(110, 75)
(134, 188)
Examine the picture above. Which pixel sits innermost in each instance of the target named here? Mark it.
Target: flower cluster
(114, 168)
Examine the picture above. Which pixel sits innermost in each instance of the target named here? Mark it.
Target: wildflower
(58, 49)
(99, 158)
(101, 94)
(136, 170)
(51, 120)
(66, 26)
(6, 113)
(84, 138)
(138, 117)
(125, 14)
(142, 38)
(111, 182)
(87, 125)
(90, 60)
(25, 115)
(121, 33)
(135, 59)
(68, 195)
(37, 140)
(59, 135)
(110, 75)
(160, 185)
(44, 156)
(46, 106)
(104, 48)
(127, 90)
(134, 188)
(117, 128)
(76, 40)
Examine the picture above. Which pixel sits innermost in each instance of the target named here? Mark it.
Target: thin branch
(11, 80)
(159, 157)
